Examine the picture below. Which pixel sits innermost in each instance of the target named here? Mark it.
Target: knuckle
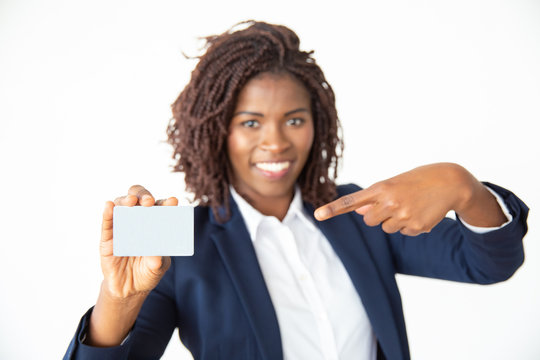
(404, 214)
(139, 191)
(134, 188)
(392, 204)
(380, 187)
(347, 200)
(142, 192)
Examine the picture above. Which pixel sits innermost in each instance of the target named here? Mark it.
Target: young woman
(256, 134)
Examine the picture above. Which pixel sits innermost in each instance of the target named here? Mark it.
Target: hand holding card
(127, 280)
(126, 276)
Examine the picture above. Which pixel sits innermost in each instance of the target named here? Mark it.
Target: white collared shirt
(319, 312)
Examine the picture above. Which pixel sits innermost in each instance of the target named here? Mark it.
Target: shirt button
(303, 277)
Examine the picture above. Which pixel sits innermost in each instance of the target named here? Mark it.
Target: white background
(85, 90)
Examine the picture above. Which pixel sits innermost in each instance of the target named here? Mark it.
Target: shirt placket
(310, 292)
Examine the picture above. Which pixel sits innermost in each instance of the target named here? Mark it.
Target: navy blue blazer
(219, 301)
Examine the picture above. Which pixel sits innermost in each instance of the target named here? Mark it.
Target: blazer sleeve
(150, 333)
(451, 251)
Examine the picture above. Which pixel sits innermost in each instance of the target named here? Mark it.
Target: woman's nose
(273, 139)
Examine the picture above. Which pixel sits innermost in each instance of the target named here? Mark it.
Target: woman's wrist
(476, 205)
(112, 318)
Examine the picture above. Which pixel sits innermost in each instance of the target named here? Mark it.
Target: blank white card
(153, 231)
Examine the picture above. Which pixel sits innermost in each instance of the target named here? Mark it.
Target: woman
(256, 134)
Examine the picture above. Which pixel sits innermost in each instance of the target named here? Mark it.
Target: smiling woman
(256, 134)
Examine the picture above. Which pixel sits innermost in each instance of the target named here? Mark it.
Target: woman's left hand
(415, 201)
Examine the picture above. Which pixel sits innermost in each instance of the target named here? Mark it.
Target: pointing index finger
(344, 204)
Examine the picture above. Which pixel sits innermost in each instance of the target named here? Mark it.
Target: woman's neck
(269, 205)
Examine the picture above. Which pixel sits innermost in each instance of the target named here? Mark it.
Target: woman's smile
(274, 169)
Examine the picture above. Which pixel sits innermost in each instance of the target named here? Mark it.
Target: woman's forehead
(269, 88)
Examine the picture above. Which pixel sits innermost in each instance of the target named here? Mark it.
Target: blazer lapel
(349, 245)
(236, 250)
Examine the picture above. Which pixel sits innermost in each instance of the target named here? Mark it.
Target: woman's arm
(416, 201)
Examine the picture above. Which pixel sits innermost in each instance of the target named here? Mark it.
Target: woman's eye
(250, 123)
(295, 122)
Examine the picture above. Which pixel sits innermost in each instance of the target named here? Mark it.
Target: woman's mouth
(273, 169)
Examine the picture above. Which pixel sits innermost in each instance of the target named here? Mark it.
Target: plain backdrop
(85, 94)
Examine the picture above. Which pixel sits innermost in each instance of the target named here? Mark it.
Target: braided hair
(203, 111)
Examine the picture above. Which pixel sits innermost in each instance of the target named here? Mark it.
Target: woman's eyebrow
(295, 110)
(248, 113)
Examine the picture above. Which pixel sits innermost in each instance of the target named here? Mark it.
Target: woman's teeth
(273, 166)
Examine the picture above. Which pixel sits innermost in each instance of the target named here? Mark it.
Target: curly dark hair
(203, 111)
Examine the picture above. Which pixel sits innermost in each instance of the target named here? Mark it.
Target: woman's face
(270, 136)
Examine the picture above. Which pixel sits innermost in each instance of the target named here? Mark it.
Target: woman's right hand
(127, 279)
(126, 276)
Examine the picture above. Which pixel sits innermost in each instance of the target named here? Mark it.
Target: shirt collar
(253, 218)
